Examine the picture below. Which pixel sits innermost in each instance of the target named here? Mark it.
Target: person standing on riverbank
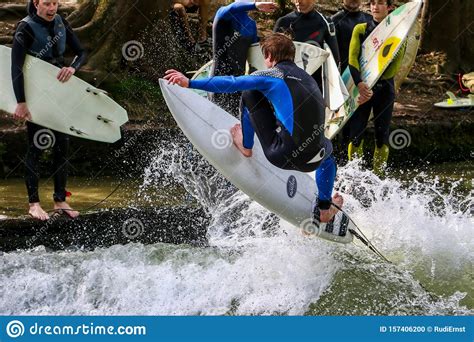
(307, 25)
(380, 98)
(345, 21)
(44, 34)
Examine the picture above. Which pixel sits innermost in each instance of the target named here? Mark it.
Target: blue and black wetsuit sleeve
(231, 84)
(22, 41)
(226, 12)
(73, 42)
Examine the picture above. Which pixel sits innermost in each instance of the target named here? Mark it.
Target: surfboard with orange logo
(377, 52)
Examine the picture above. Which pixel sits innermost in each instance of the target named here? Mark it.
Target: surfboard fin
(105, 120)
(451, 96)
(96, 91)
(77, 131)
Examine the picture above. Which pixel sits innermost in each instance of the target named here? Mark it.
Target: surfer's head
(276, 48)
(304, 6)
(352, 5)
(46, 9)
(380, 9)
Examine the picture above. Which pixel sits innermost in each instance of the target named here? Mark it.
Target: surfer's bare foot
(67, 209)
(37, 212)
(238, 138)
(327, 215)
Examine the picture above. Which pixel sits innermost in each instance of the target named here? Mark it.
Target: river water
(256, 264)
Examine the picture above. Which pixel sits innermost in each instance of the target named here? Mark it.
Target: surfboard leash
(361, 237)
(92, 206)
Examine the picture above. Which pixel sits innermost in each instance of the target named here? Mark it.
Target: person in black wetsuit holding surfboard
(44, 34)
(345, 21)
(380, 98)
(284, 107)
(307, 25)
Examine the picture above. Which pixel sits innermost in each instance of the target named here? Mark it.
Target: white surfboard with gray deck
(75, 107)
(288, 194)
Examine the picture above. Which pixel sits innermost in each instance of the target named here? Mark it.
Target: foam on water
(257, 264)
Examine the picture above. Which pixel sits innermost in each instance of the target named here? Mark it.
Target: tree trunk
(116, 32)
(448, 27)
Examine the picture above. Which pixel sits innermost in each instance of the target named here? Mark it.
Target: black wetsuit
(312, 28)
(47, 41)
(345, 21)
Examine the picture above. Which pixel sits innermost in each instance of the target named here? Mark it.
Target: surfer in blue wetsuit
(233, 31)
(45, 35)
(284, 107)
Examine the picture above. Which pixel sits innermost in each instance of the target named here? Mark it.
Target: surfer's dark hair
(389, 2)
(279, 46)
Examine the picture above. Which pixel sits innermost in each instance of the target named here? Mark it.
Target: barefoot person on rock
(44, 34)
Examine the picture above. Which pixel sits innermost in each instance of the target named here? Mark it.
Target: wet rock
(177, 225)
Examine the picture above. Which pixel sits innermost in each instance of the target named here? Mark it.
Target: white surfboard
(413, 44)
(75, 107)
(288, 194)
(308, 57)
(334, 89)
(454, 102)
(377, 52)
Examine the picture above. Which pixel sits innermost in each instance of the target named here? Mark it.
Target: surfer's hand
(364, 92)
(22, 112)
(65, 74)
(266, 6)
(175, 77)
